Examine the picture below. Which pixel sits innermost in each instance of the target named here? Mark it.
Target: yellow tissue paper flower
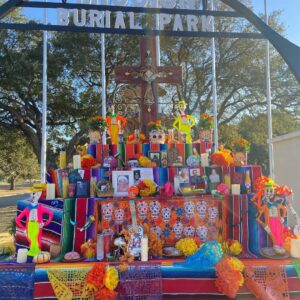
(236, 264)
(235, 248)
(187, 246)
(111, 278)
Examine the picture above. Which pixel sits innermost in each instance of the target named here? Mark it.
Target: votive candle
(295, 248)
(22, 256)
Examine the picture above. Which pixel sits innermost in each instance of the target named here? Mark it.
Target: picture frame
(164, 159)
(195, 177)
(121, 181)
(155, 156)
(140, 174)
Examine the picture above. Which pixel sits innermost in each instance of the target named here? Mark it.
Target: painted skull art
(201, 209)
(212, 214)
(157, 230)
(157, 137)
(166, 214)
(189, 208)
(107, 211)
(119, 216)
(142, 209)
(178, 229)
(201, 232)
(189, 231)
(155, 209)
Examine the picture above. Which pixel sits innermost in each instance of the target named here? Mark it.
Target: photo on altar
(183, 174)
(121, 181)
(163, 159)
(140, 174)
(155, 157)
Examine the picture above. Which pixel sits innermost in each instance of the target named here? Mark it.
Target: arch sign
(176, 18)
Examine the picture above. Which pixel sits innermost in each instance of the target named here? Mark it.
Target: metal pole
(44, 105)
(214, 82)
(269, 101)
(157, 39)
(103, 81)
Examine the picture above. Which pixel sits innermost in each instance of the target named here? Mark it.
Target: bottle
(247, 182)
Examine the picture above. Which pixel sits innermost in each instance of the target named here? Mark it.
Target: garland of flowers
(102, 280)
(229, 276)
(232, 247)
(222, 158)
(206, 121)
(240, 145)
(187, 246)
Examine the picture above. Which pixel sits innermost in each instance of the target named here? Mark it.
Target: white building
(287, 163)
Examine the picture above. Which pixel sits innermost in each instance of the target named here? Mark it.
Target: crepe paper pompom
(187, 246)
(111, 278)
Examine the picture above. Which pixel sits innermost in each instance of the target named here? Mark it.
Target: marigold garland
(222, 158)
(187, 246)
(101, 280)
(229, 276)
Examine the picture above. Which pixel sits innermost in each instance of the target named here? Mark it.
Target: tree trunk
(12, 183)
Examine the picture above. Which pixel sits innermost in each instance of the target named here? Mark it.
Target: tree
(17, 159)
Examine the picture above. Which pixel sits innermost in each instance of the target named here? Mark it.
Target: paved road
(10, 200)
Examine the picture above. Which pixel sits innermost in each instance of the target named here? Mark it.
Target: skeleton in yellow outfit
(115, 125)
(184, 123)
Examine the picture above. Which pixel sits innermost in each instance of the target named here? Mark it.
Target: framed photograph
(122, 180)
(183, 174)
(154, 156)
(142, 174)
(164, 159)
(195, 177)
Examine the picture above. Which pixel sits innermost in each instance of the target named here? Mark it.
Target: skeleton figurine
(271, 216)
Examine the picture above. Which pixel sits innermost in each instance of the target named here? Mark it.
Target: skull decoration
(178, 228)
(201, 232)
(157, 136)
(119, 216)
(157, 230)
(212, 214)
(166, 214)
(107, 211)
(189, 208)
(189, 231)
(155, 209)
(142, 208)
(201, 209)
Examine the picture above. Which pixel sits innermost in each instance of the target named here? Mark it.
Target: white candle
(50, 194)
(76, 162)
(295, 248)
(22, 256)
(204, 160)
(100, 247)
(235, 189)
(144, 251)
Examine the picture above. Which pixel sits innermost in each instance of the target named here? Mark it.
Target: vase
(205, 135)
(240, 158)
(94, 136)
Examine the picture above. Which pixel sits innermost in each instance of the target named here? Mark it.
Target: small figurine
(34, 214)
(184, 123)
(88, 249)
(115, 125)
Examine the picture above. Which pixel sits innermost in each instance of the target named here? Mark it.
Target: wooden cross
(148, 75)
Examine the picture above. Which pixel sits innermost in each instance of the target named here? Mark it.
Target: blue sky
(290, 15)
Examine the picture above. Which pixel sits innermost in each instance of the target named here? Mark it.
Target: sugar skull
(119, 216)
(201, 232)
(157, 230)
(155, 209)
(142, 208)
(107, 211)
(157, 136)
(212, 214)
(178, 228)
(189, 231)
(201, 209)
(189, 208)
(166, 214)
